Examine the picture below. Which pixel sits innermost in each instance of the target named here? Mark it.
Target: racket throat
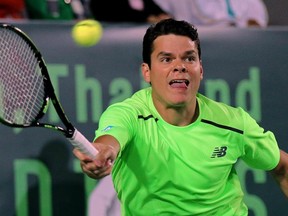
(69, 133)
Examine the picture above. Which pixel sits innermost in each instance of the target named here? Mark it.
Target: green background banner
(242, 67)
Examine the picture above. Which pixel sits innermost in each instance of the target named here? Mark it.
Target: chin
(178, 103)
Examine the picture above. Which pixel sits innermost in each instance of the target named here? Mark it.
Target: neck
(179, 116)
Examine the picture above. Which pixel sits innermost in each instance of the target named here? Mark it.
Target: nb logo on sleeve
(219, 152)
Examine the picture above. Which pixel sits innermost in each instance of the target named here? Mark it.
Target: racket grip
(80, 142)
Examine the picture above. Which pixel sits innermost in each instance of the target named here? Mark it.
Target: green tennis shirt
(163, 169)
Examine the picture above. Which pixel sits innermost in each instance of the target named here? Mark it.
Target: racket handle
(80, 142)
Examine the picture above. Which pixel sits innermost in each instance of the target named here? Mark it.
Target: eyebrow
(189, 52)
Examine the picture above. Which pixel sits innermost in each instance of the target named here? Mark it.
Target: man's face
(176, 71)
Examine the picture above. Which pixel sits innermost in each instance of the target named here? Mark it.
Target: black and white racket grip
(80, 142)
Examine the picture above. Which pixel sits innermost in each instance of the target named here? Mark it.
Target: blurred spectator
(14, 9)
(103, 200)
(55, 9)
(127, 11)
(239, 13)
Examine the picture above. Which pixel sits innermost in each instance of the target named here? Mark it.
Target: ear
(146, 72)
(201, 70)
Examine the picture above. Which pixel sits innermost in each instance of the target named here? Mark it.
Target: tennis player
(173, 150)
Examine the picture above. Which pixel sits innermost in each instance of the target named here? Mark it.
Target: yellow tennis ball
(87, 32)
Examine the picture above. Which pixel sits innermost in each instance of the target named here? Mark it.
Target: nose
(180, 68)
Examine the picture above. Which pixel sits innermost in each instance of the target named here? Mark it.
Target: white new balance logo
(219, 152)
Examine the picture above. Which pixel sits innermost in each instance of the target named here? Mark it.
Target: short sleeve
(117, 121)
(261, 149)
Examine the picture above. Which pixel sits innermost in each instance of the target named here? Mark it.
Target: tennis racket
(26, 88)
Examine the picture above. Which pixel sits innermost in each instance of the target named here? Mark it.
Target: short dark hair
(165, 27)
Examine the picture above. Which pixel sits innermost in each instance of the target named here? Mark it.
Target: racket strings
(22, 88)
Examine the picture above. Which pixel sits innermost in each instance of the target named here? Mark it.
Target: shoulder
(215, 106)
(139, 99)
(222, 114)
(139, 102)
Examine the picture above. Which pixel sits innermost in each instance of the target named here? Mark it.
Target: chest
(196, 152)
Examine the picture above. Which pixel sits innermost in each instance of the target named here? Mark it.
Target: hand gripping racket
(26, 89)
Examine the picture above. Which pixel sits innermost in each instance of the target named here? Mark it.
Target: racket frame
(49, 92)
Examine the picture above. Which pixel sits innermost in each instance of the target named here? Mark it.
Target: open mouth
(179, 83)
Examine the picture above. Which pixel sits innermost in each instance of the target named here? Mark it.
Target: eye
(166, 59)
(190, 59)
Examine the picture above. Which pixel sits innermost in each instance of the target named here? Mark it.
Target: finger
(103, 169)
(81, 156)
(88, 166)
(101, 173)
(88, 171)
(97, 173)
(78, 154)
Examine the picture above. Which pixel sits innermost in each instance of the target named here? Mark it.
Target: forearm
(280, 173)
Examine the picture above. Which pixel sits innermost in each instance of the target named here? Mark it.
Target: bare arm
(108, 148)
(280, 173)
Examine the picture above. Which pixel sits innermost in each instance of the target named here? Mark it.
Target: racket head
(26, 88)
(24, 95)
